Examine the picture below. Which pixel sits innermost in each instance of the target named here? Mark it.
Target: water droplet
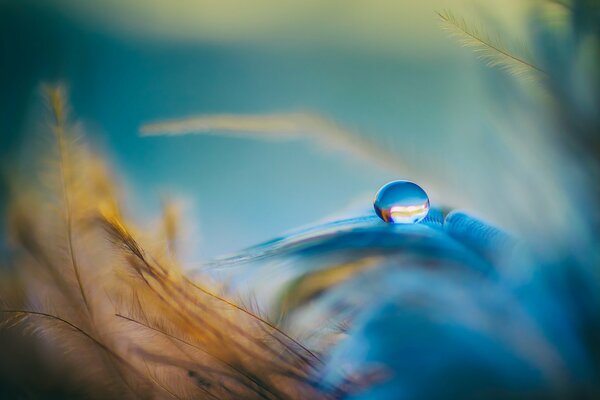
(401, 202)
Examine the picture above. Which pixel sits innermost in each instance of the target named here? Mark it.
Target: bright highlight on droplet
(401, 202)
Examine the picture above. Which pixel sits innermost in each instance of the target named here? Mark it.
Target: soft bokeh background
(382, 68)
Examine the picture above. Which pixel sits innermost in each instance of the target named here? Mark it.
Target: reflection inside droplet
(401, 202)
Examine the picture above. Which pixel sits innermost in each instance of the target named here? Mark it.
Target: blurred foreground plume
(119, 314)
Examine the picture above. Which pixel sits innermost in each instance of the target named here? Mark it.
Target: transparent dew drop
(401, 202)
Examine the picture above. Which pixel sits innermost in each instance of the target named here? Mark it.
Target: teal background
(239, 191)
